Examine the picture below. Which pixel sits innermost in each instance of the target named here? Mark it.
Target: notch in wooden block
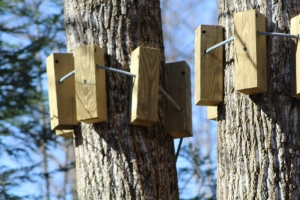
(212, 112)
(90, 84)
(295, 58)
(208, 66)
(145, 63)
(65, 133)
(250, 52)
(61, 95)
(178, 86)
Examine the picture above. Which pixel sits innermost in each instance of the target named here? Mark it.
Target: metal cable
(133, 75)
(128, 74)
(178, 149)
(116, 70)
(66, 76)
(170, 98)
(218, 45)
(278, 34)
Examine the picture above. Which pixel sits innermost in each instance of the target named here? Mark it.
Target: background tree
(258, 135)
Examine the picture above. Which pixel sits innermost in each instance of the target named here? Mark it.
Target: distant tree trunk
(70, 175)
(117, 160)
(258, 135)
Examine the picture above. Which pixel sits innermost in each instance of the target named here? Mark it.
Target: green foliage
(198, 173)
(11, 179)
(21, 43)
(29, 31)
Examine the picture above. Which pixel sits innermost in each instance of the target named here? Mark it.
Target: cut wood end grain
(65, 133)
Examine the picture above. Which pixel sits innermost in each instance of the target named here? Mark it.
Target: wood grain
(65, 133)
(212, 112)
(250, 52)
(295, 58)
(145, 63)
(178, 86)
(90, 84)
(61, 95)
(208, 67)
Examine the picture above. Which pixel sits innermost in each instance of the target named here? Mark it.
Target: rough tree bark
(258, 135)
(115, 160)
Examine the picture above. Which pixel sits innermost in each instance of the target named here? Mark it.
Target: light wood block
(208, 66)
(250, 52)
(65, 133)
(145, 63)
(178, 86)
(90, 84)
(212, 112)
(61, 95)
(295, 58)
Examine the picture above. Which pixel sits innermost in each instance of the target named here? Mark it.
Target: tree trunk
(258, 135)
(115, 160)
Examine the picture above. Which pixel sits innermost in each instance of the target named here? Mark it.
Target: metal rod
(178, 149)
(66, 76)
(99, 67)
(170, 98)
(218, 45)
(133, 75)
(128, 74)
(116, 70)
(277, 34)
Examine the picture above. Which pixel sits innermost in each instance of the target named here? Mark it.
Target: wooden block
(295, 58)
(90, 84)
(65, 133)
(145, 63)
(208, 66)
(212, 112)
(250, 52)
(178, 86)
(61, 95)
